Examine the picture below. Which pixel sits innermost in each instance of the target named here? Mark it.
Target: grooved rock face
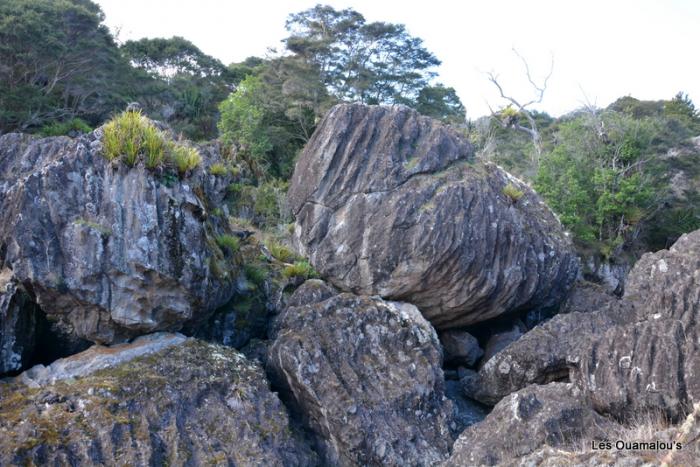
(366, 375)
(641, 353)
(391, 203)
(187, 403)
(109, 251)
(653, 361)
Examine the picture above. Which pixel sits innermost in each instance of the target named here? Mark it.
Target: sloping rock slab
(188, 404)
(366, 375)
(391, 203)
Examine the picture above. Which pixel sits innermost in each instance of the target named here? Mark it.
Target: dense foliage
(608, 172)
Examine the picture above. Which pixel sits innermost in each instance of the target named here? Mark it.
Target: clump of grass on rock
(131, 137)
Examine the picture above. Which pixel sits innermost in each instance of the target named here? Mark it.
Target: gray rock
(108, 251)
(466, 411)
(544, 354)
(652, 362)
(460, 347)
(187, 404)
(556, 415)
(500, 340)
(586, 297)
(18, 325)
(366, 375)
(391, 203)
(638, 354)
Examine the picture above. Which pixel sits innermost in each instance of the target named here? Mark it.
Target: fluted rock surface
(187, 403)
(108, 251)
(366, 376)
(641, 353)
(653, 361)
(391, 203)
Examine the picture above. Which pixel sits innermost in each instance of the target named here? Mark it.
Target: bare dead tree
(511, 119)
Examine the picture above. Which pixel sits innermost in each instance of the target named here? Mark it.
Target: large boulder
(366, 376)
(641, 353)
(653, 361)
(108, 251)
(391, 203)
(555, 415)
(162, 400)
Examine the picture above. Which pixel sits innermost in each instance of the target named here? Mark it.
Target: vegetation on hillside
(623, 179)
(607, 172)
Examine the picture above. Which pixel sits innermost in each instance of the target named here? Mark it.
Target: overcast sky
(602, 49)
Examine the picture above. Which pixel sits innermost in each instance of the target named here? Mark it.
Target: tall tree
(376, 63)
(57, 61)
(186, 84)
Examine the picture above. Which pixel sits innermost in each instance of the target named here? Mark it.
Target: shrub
(300, 269)
(63, 128)
(512, 192)
(184, 158)
(217, 169)
(229, 242)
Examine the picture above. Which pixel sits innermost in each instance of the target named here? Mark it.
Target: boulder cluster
(127, 337)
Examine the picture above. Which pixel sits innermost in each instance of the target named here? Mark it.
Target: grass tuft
(512, 192)
(300, 269)
(229, 242)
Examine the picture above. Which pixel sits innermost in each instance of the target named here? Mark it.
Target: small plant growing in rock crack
(513, 193)
(218, 169)
(185, 158)
(300, 269)
(280, 252)
(229, 243)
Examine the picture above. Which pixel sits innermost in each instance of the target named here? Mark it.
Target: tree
(186, 85)
(441, 103)
(242, 124)
(599, 182)
(510, 116)
(374, 63)
(57, 61)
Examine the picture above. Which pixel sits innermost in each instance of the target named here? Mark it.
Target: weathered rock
(546, 353)
(460, 347)
(391, 203)
(108, 251)
(586, 297)
(652, 362)
(188, 404)
(632, 355)
(466, 411)
(555, 415)
(18, 325)
(676, 445)
(97, 358)
(366, 376)
(500, 340)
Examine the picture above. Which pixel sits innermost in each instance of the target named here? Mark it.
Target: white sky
(607, 49)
